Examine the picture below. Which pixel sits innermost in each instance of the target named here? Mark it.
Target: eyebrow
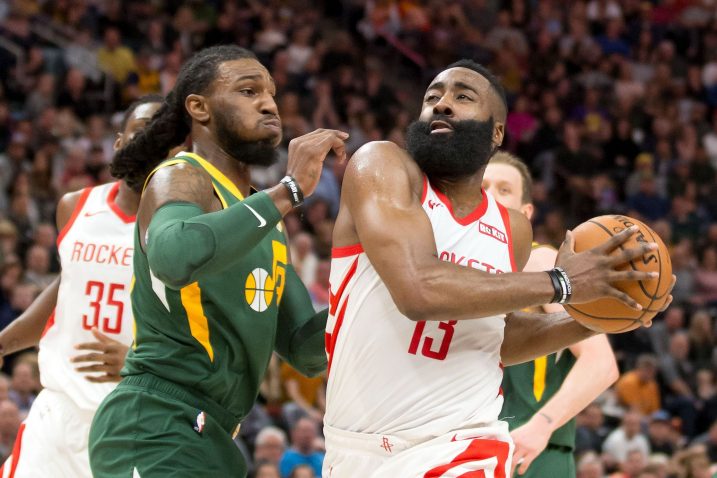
(248, 77)
(439, 85)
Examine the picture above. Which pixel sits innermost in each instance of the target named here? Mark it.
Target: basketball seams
(604, 223)
(642, 286)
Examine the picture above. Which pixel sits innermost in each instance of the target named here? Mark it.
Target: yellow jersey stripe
(541, 366)
(216, 174)
(192, 302)
(171, 162)
(134, 322)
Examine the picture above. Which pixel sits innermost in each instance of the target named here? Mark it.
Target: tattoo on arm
(181, 182)
(549, 420)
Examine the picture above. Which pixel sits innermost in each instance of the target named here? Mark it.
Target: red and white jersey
(95, 249)
(416, 380)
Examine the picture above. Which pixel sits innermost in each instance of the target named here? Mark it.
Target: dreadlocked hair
(171, 124)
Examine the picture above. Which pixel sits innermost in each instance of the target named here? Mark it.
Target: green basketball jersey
(528, 386)
(215, 336)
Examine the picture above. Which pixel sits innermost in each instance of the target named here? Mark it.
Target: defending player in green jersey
(214, 292)
(543, 396)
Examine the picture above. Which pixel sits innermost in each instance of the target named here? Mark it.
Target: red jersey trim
(48, 325)
(424, 190)
(115, 208)
(16, 449)
(476, 214)
(76, 212)
(506, 222)
(346, 251)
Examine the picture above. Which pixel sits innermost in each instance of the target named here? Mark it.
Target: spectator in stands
(303, 449)
(638, 388)
(590, 466)
(24, 385)
(661, 434)
(10, 420)
(706, 279)
(673, 320)
(37, 267)
(678, 374)
(306, 396)
(266, 470)
(270, 446)
(591, 430)
(114, 58)
(303, 471)
(626, 438)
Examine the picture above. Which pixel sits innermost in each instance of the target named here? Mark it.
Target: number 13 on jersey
(446, 335)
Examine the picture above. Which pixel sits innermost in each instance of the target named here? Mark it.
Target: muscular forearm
(528, 336)
(449, 292)
(25, 331)
(184, 244)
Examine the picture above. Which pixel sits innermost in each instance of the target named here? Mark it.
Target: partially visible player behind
(85, 340)
(543, 396)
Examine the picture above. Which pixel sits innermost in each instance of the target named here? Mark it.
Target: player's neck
(465, 194)
(127, 200)
(236, 171)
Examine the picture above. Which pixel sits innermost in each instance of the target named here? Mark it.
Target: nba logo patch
(199, 425)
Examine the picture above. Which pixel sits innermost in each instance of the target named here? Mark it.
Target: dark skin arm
(380, 208)
(26, 330)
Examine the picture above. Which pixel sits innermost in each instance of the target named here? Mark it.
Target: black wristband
(561, 284)
(295, 194)
(556, 287)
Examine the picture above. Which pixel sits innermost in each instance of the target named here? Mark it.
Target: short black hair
(487, 74)
(136, 104)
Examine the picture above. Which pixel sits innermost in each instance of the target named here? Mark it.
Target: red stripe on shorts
(479, 449)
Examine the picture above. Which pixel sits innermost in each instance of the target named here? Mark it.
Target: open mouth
(441, 127)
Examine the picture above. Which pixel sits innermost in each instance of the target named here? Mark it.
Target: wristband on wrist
(295, 194)
(561, 284)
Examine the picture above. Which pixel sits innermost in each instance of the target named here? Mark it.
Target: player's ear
(498, 133)
(197, 107)
(528, 210)
(118, 142)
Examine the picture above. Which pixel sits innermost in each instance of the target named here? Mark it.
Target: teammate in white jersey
(85, 340)
(413, 387)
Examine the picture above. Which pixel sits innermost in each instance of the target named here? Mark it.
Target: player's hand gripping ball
(609, 315)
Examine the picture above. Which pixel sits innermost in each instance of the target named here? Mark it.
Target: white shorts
(52, 441)
(481, 452)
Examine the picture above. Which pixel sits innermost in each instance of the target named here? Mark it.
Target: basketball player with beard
(214, 292)
(425, 267)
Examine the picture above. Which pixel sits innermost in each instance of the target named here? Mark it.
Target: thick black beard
(453, 155)
(253, 153)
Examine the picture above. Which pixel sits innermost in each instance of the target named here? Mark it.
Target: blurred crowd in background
(613, 106)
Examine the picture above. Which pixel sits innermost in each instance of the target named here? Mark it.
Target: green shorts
(554, 462)
(150, 428)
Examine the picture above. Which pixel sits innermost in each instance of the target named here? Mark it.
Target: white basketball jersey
(95, 250)
(416, 380)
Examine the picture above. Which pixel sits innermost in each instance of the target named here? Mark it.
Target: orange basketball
(609, 315)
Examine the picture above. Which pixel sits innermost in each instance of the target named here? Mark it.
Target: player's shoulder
(380, 161)
(67, 205)
(522, 237)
